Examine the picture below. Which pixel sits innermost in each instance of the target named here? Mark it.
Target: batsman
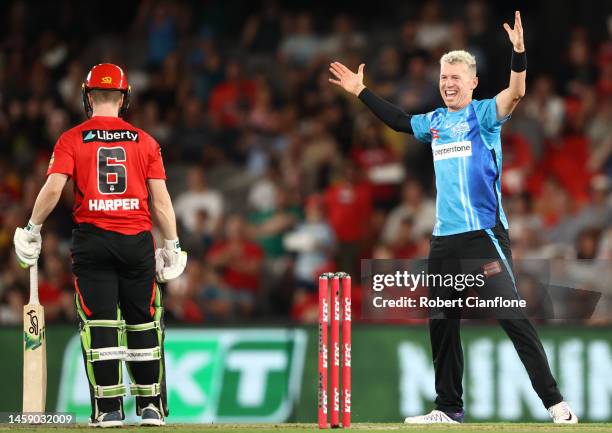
(116, 170)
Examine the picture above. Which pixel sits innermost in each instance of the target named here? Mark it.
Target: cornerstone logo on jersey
(212, 376)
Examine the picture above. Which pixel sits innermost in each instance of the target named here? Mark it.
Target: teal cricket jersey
(467, 154)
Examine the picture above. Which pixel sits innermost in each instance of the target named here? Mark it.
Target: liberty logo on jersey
(109, 136)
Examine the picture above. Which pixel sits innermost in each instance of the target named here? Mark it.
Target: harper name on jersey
(467, 154)
(116, 204)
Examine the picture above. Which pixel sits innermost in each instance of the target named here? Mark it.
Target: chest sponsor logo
(459, 129)
(109, 136)
(457, 149)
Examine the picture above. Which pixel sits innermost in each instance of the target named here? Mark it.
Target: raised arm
(508, 99)
(352, 82)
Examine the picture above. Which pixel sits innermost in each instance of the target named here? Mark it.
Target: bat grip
(34, 284)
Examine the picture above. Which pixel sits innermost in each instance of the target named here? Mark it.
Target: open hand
(345, 78)
(516, 34)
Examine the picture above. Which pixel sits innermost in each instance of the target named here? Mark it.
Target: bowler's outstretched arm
(508, 99)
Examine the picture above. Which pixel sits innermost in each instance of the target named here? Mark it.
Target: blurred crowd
(277, 176)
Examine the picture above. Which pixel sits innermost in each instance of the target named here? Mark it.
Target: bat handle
(34, 284)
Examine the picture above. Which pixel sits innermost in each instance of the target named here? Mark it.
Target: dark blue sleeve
(394, 117)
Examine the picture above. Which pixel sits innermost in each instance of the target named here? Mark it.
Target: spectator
(262, 31)
(432, 32)
(162, 32)
(180, 296)
(419, 209)
(69, 87)
(151, 121)
(408, 46)
(526, 227)
(374, 157)
(207, 64)
(239, 260)
(349, 211)
(192, 135)
(262, 195)
(600, 136)
(269, 228)
(199, 198)
(567, 158)
(405, 246)
(417, 93)
(543, 105)
(55, 290)
(11, 305)
(313, 241)
(482, 42)
(231, 99)
(342, 39)
(270, 225)
(596, 215)
(300, 44)
(578, 72)
(387, 71)
(518, 163)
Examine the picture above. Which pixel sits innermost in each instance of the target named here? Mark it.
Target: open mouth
(450, 93)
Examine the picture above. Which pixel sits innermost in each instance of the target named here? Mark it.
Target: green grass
(303, 428)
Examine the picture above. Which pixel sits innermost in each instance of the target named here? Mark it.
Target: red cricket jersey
(110, 162)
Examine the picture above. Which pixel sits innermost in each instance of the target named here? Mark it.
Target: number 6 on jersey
(112, 175)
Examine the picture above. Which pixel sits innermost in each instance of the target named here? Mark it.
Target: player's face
(457, 83)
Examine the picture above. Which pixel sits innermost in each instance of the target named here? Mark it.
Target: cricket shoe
(151, 416)
(436, 417)
(561, 413)
(107, 419)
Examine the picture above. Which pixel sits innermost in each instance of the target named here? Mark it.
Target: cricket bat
(34, 350)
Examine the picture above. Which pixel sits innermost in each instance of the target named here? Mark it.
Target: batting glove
(170, 261)
(28, 243)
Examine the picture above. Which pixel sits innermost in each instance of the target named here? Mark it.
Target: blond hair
(460, 56)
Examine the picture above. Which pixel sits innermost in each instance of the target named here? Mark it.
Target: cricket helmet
(106, 76)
